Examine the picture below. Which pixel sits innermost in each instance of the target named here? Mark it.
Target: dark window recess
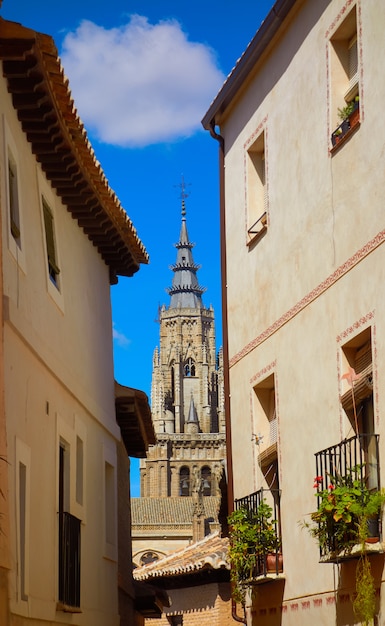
(13, 201)
(53, 268)
(69, 560)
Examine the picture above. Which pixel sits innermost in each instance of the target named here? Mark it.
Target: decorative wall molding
(339, 273)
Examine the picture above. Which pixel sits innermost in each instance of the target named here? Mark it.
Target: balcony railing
(360, 451)
(352, 461)
(69, 561)
(268, 559)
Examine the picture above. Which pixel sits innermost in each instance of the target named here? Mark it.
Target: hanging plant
(253, 536)
(364, 604)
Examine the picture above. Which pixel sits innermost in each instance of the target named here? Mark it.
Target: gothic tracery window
(148, 557)
(189, 368)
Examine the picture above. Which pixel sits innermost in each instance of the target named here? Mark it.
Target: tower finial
(183, 194)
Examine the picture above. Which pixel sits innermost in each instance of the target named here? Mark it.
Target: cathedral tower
(187, 390)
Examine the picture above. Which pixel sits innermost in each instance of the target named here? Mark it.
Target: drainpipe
(226, 373)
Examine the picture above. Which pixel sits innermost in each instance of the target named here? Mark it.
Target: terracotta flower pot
(354, 117)
(274, 562)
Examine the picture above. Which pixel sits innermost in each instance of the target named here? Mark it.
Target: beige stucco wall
(312, 283)
(59, 385)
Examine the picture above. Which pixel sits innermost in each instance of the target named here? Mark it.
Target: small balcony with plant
(350, 119)
(347, 521)
(349, 498)
(255, 543)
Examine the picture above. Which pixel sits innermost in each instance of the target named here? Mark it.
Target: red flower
(331, 487)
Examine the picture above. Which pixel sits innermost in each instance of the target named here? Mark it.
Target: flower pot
(373, 530)
(340, 132)
(274, 563)
(354, 117)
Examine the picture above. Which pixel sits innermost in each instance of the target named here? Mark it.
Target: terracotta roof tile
(210, 553)
(45, 108)
(172, 510)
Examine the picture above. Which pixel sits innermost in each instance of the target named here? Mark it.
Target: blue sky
(142, 74)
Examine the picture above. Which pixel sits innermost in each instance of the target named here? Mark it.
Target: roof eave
(247, 61)
(133, 415)
(46, 112)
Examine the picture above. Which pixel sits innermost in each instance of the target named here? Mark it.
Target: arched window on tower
(189, 368)
(206, 480)
(184, 481)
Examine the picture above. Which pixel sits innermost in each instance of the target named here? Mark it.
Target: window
(22, 526)
(69, 539)
(184, 481)
(22, 466)
(148, 557)
(13, 199)
(53, 268)
(79, 470)
(357, 397)
(344, 78)
(257, 199)
(206, 480)
(109, 484)
(189, 368)
(109, 502)
(266, 434)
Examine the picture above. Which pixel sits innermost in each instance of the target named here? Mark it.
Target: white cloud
(120, 338)
(139, 84)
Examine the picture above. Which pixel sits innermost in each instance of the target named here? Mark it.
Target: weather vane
(183, 194)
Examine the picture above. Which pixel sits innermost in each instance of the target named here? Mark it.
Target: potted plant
(252, 537)
(242, 556)
(349, 116)
(268, 544)
(345, 507)
(341, 522)
(350, 112)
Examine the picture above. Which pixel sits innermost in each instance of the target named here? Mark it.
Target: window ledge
(258, 229)
(344, 138)
(354, 553)
(265, 578)
(353, 124)
(66, 608)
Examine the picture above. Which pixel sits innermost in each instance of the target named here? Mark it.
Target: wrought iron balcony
(360, 452)
(347, 479)
(69, 562)
(263, 509)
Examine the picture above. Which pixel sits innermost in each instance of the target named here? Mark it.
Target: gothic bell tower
(187, 390)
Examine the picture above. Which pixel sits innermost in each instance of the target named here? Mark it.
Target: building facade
(302, 158)
(182, 474)
(65, 239)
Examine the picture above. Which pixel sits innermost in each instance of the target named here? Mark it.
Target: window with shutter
(352, 65)
(53, 268)
(257, 196)
(357, 396)
(344, 79)
(266, 429)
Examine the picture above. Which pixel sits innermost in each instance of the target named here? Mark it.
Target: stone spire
(185, 292)
(192, 424)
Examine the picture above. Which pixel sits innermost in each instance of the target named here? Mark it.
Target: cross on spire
(183, 193)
